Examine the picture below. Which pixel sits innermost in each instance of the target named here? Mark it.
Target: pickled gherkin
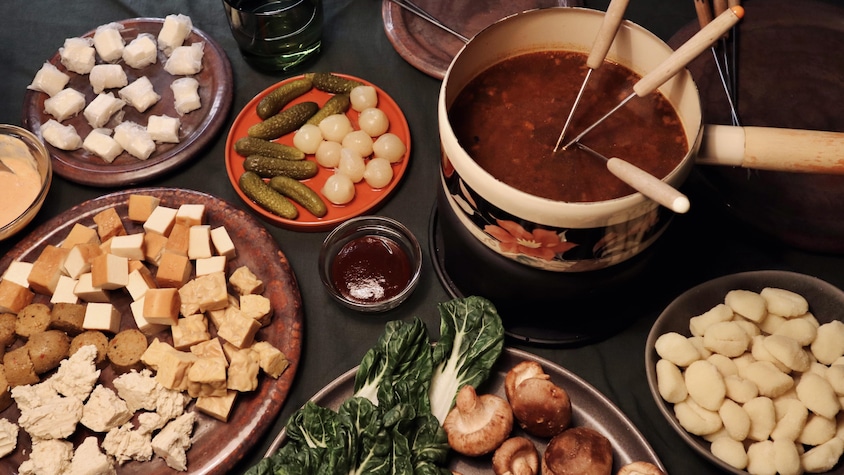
(275, 101)
(300, 193)
(247, 146)
(284, 122)
(254, 187)
(268, 167)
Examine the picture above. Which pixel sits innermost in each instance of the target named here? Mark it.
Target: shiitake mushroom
(477, 425)
(540, 407)
(578, 450)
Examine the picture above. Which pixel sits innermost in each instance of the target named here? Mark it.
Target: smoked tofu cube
(64, 105)
(161, 220)
(110, 271)
(218, 407)
(46, 270)
(204, 293)
(154, 247)
(80, 257)
(80, 234)
(178, 241)
(147, 328)
(191, 214)
(141, 207)
(86, 290)
(161, 306)
(109, 224)
(172, 371)
(199, 242)
(18, 272)
(223, 243)
(210, 265)
(210, 349)
(64, 291)
(14, 297)
(207, 377)
(271, 360)
(189, 331)
(130, 246)
(256, 307)
(140, 280)
(239, 330)
(243, 370)
(101, 316)
(245, 282)
(174, 270)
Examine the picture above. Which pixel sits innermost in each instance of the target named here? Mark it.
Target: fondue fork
(421, 13)
(704, 16)
(600, 47)
(643, 182)
(674, 63)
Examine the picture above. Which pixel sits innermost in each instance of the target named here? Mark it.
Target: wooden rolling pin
(771, 148)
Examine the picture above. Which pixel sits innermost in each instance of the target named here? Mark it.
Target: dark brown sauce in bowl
(509, 117)
(371, 269)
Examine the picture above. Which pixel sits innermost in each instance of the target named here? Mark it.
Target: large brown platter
(217, 446)
(590, 408)
(198, 128)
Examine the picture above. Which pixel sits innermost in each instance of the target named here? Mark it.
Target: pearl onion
(335, 127)
(363, 97)
(378, 173)
(359, 141)
(328, 154)
(351, 164)
(389, 146)
(307, 138)
(338, 189)
(373, 121)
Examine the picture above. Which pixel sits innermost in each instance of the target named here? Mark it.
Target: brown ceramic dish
(217, 446)
(198, 128)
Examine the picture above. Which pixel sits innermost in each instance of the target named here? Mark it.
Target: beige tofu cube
(243, 370)
(223, 244)
(140, 280)
(14, 297)
(141, 206)
(189, 331)
(218, 407)
(172, 372)
(45, 272)
(210, 349)
(109, 271)
(161, 306)
(101, 316)
(87, 292)
(191, 214)
(154, 247)
(64, 292)
(204, 293)
(207, 377)
(80, 257)
(245, 282)
(271, 360)
(80, 234)
(156, 353)
(257, 307)
(174, 270)
(109, 224)
(130, 246)
(239, 330)
(18, 272)
(161, 220)
(178, 241)
(210, 265)
(199, 245)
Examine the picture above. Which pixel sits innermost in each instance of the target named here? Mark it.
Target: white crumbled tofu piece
(65, 104)
(163, 128)
(171, 403)
(135, 139)
(61, 136)
(173, 441)
(108, 42)
(126, 444)
(186, 95)
(8, 437)
(30, 396)
(140, 94)
(100, 110)
(78, 55)
(102, 145)
(77, 375)
(107, 76)
(49, 79)
(174, 32)
(149, 422)
(56, 419)
(185, 60)
(104, 410)
(88, 459)
(48, 457)
(138, 389)
(141, 52)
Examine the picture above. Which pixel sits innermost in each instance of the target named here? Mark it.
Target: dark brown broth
(509, 117)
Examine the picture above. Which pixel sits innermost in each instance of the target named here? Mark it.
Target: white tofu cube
(108, 42)
(164, 129)
(130, 246)
(78, 55)
(101, 108)
(174, 32)
(102, 145)
(191, 214)
(18, 272)
(107, 76)
(49, 80)
(101, 316)
(63, 137)
(64, 291)
(141, 52)
(223, 243)
(110, 271)
(65, 104)
(199, 244)
(86, 291)
(210, 265)
(185, 60)
(140, 94)
(137, 308)
(161, 220)
(185, 95)
(135, 139)
(138, 285)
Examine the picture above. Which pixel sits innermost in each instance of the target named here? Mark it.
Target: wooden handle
(607, 32)
(649, 185)
(704, 12)
(719, 6)
(771, 148)
(688, 51)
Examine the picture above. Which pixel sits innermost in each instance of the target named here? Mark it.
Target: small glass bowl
(44, 166)
(381, 258)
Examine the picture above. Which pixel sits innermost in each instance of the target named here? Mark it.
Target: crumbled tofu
(77, 374)
(126, 444)
(8, 437)
(55, 419)
(171, 403)
(89, 460)
(173, 441)
(245, 282)
(48, 457)
(104, 410)
(139, 389)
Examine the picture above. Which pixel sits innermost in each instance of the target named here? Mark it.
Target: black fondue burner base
(536, 306)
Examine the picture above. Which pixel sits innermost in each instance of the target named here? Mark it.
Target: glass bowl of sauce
(25, 178)
(370, 263)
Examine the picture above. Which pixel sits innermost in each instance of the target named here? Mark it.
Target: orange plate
(366, 198)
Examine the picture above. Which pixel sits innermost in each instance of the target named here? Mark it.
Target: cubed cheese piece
(109, 271)
(161, 220)
(80, 234)
(185, 60)
(79, 259)
(100, 110)
(212, 349)
(104, 410)
(65, 104)
(178, 241)
(108, 42)
(140, 52)
(63, 137)
(14, 297)
(239, 330)
(218, 407)
(210, 265)
(185, 95)
(174, 32)
(141, 207)
(191, 214)
(243, 369)
(49, 79)
(45, 272)
(163, 128)
(109, 224)
(137, 308)
(18, 272)
(207, 377)
(189, 331)
(101, 316)
(140, 280)
(245, 282)
(107, 76)
(161, 306)
(172, 372)
(223, 243)
(78, 55)
(140, 94)
(154, 247)
(174, 270)
(102, 145)
(65, 291)
(271, 360)
(256, 307)
(204, 293)
(135, 139)
(199, 246)
(86, 291)
(130, 246)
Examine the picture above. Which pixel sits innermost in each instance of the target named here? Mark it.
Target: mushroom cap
(640, 468)
(522, 371)
(477, 425)
(516, 456)
(578, 451)
(541, 407)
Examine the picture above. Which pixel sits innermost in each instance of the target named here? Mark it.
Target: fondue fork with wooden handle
(704, 16)
(643, 182)
(600, 47)
(675, 62)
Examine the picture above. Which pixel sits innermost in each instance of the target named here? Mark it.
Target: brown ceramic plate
(430, 48)
(590, 408)
(217, 446)
(198, 128)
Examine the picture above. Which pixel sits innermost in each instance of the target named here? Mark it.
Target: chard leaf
(471, 340)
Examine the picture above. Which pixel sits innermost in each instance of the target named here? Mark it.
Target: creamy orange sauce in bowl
(24, 187)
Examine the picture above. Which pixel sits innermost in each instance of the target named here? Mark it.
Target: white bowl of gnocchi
(749, 370)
